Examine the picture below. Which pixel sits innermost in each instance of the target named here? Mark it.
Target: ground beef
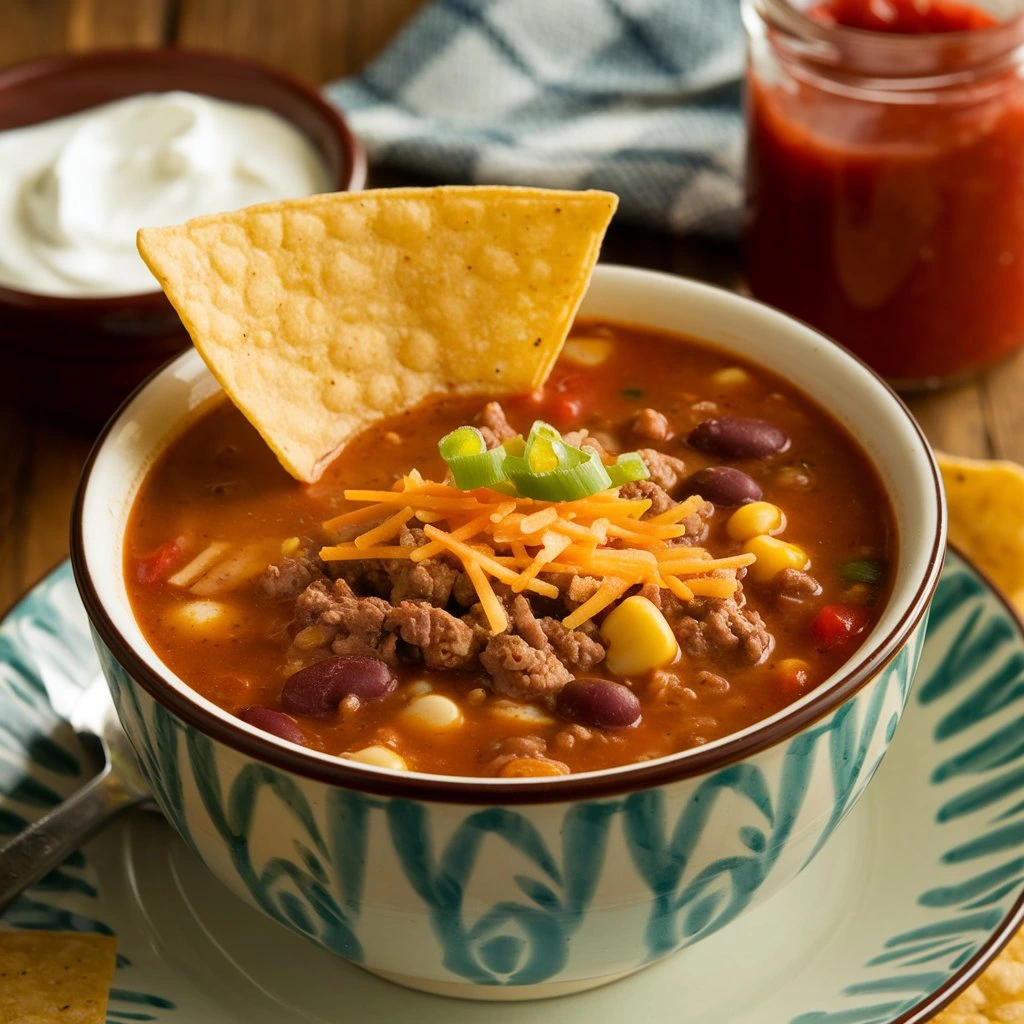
(712, 682)
(430, 580)
(696, 525)
(660, 500)
(355, 625)
(584, 439)
(516, 748)
(444, 640)
(707, 628)
(575, 589)
(538, 655)
(493, 425)
(521, 671)
(666, 470)
(580, 649)
(651, 425)
(525, 623)
(794, 585)
(369, 577)
(434, 580)
(289, 577)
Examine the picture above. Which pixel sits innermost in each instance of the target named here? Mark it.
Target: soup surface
(393, 663)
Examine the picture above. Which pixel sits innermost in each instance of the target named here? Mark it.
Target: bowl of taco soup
(519, 737)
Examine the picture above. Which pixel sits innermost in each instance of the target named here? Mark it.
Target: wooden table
(321, 40)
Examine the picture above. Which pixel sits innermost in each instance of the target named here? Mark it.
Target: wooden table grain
(320, 40)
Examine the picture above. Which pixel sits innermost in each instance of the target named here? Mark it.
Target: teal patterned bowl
(523, 888)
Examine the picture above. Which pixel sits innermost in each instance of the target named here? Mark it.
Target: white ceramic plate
(915, 893)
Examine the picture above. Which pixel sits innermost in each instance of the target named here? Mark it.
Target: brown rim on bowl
(350, 178)
(468, 790)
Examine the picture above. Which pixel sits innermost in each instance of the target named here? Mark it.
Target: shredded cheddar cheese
(519, 540)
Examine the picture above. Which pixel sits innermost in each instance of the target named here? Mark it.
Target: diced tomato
(837, 624)
(155, 566)
(562, 402)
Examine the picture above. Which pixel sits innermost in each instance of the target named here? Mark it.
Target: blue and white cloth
(641, 97)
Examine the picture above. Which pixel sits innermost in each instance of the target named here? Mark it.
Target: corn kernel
(587, 351)
(290, 546)
(794, 668)
(730, 376)
(432, 711)
(311, 637)
(520, 714)
(418, 688)
(530, 768)
(638, 637)
(757, 517)
(476, 696)
(774, 555)
(379, 757)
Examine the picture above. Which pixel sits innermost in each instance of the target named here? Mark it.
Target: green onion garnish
(542, 466)
(633, 393)
(471, 464)
(863, 570)
(628, 467)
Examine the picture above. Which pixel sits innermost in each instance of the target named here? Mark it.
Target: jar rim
(888, 60)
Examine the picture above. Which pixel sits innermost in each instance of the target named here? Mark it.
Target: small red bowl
(90, 352)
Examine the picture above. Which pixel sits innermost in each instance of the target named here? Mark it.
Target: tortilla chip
(986, 517)
(47, 977)
(997, 997)
(320, 315)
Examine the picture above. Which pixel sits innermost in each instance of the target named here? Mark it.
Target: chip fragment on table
(50, 977)
(986, 517)
(997, 997)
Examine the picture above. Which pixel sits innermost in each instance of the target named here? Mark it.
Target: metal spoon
(117, 786)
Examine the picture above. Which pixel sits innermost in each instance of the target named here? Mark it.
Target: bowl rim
(866, 663)
(351, 177)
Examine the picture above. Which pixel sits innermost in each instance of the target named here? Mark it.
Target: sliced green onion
(471, 464)
(542, 466)
(633, 393)
(578, 475)
(628, 467)
(863, 570)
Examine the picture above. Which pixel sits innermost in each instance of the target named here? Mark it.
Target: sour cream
(74, 191)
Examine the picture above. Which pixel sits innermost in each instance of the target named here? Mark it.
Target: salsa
(903, 17)
(892, 218)
(234, 580)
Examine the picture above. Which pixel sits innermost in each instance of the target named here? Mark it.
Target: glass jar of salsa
(885, 178)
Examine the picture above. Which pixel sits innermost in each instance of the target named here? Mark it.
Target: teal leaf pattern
(978, 779)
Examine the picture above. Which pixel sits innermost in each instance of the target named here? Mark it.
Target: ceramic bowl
(520, 888)
(91, 352)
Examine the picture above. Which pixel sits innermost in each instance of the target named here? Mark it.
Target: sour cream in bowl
(94, 146)
(76, 189)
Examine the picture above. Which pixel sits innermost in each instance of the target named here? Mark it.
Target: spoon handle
(46, 843)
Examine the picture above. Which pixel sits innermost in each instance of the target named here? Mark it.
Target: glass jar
(885, 187)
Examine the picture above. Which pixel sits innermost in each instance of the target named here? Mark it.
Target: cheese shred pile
(520, 541)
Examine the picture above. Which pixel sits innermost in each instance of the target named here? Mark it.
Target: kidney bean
(733, 437)
(599, 703)
(276, 722)
(318, 689)
(723, 485)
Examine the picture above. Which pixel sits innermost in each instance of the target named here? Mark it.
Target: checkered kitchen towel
(641, 97)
